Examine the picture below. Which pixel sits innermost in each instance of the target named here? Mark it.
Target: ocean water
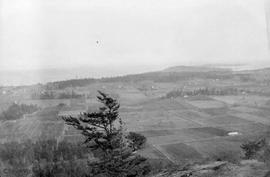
(28, 77)
(22, 77)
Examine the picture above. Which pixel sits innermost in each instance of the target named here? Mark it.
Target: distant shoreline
(33, 77)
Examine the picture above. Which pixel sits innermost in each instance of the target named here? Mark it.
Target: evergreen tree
(103, 132)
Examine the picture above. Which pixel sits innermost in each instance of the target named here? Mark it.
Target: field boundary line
(164, 153)
(201, 124)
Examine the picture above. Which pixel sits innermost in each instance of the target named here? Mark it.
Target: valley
(180, 128)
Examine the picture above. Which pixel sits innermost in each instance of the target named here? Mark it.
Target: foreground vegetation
(107, 150)
(190, 130)
(16, 111)
(105, 136)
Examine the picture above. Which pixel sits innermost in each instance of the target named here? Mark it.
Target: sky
(129, 36)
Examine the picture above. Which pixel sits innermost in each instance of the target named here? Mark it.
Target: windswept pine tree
(103, 132)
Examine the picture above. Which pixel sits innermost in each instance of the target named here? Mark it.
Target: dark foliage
(70, 168)
(99, 128)
(205, 91)
(52, 95)
(72, 95)
(104, 134)
(24, 154)
(46, 95)
(137, 140)
(71, 83)
(151, 76)
(252, 148)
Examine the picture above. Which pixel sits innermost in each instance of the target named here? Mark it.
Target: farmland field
(181, 152)
(204, 104)
(215, 147)
(254, 118)
(151, 152)
(177, 129)
(247, 100)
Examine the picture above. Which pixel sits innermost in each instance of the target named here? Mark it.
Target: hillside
(168, 75)
(195, 69)
(187, 117)
(174, 74)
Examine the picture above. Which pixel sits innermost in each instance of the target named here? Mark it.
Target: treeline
(205, 91)
(70, 168)
(45, 155)
(25, 153)
(80, 166)
(152, 76)
(49, 158)
(16, 111)
(53, 95)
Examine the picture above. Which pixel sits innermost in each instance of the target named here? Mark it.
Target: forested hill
(195, 69)
(172, 74)
(151, 76)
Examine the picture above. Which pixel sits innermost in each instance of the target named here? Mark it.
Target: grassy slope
(198, 122)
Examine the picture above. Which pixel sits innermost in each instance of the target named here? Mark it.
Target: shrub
(69, 168)
(137, 140)
(252, 148)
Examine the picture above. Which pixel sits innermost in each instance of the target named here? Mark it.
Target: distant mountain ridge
(195, 69)
(177, 73)
(171, 74)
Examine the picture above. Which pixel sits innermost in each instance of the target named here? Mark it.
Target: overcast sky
(38, 34)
